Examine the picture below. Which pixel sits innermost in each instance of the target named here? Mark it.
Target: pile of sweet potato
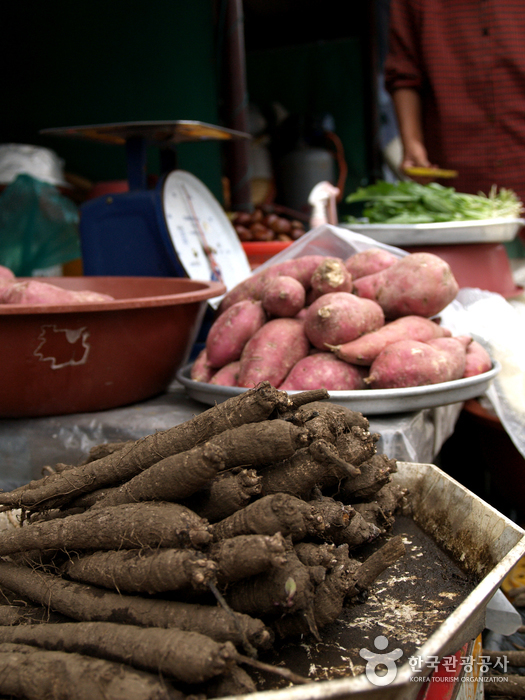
(162, 567)
(322, 322)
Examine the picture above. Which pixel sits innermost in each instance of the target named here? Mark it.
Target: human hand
(415, 156)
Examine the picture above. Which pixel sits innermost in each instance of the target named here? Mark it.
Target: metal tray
(444, 233)
(367, 401)
(477, 539)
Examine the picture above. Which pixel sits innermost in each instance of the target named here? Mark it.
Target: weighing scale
(177, 229)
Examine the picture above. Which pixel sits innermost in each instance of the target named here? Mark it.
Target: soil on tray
(406, 605)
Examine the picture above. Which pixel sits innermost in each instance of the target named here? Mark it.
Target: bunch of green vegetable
(408, 202)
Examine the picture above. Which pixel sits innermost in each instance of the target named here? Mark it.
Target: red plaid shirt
(467, 60)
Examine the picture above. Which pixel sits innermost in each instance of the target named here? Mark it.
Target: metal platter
(369, 401)
(445, 233)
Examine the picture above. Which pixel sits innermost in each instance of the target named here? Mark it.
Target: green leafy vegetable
(408, 202)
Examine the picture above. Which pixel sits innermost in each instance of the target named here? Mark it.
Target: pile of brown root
(158, 568)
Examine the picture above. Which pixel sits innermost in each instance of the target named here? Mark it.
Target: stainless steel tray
(482, 541)
(447, 233)
(367, 401)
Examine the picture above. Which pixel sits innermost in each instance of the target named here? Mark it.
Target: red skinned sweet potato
(365, 349)
(272, 352)
(421, 284)
(227, 375)
(231, 331)
(330, 276)
(369, 261)
(415, 363)
(252, 287)
(323, 370)
(302, 313)
(7, 274)
(340, 317)
(456, 348)
(283, 297)
(478, 360)
(36, 292)
(201, 370)
(87, 296)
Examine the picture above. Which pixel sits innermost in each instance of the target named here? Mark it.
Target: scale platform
(176, 229)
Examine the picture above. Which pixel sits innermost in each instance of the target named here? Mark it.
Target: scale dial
(204, 239)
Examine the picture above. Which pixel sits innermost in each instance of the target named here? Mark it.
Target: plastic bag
(38, 227)
(500, 326)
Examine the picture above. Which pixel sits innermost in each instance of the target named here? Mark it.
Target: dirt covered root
(120, 465)
(27, 672)
(181, 556)
(86, 603)
(188, 657)
(143, 570)
(127, 526)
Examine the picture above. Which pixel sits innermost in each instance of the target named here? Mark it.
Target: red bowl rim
(199, 291)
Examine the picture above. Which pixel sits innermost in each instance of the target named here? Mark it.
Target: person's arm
(407, 103)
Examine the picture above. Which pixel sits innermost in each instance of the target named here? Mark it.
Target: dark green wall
(315, 79)
(112, 61)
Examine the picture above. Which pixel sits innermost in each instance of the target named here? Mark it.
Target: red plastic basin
(91, 357)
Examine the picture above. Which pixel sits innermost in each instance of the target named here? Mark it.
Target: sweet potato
(324, 370)
(271, 353)
(369, 261)
(230, 332)
(6, 273)
(7, 277)
(456, 350)
(364, 350)
(201, 369)
(300, 269)
(477, 361)
(340, 317)
(330, 276)
(86, 296)
(414, 363)
(283, 297)
(302, 313)
(420, 283)
(227, 375)
(37, 292)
